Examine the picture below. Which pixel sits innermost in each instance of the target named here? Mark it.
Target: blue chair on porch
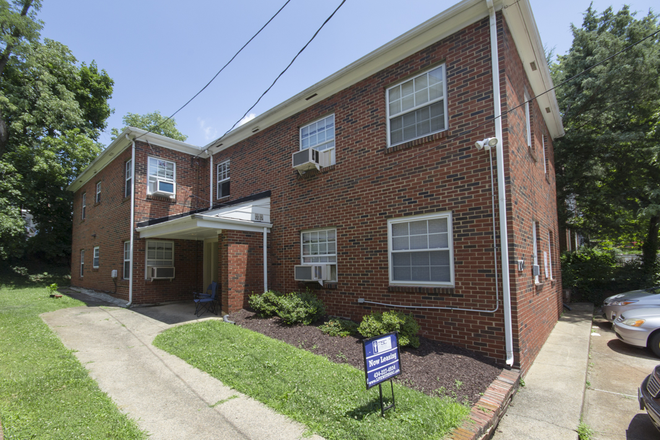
(207, 301)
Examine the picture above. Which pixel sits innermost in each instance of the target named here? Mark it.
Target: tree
(608, 163)
(54, 111)
(153, 122)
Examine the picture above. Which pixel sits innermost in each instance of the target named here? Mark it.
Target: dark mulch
(430, 367)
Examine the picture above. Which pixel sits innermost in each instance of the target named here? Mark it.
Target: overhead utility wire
(219, 71)
(280, 75)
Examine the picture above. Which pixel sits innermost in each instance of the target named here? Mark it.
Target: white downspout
(265, 260)
(501, 188)
(211, 181)
(130, 276)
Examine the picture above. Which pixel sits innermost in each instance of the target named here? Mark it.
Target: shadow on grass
(369, 408)
(30, 274)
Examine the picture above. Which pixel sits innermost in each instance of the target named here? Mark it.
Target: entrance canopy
(250, 216)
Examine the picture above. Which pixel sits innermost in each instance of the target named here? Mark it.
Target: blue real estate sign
(381, 359)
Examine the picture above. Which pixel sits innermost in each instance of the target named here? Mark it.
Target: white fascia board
(205, 221)
(441, 26)
(117, 146)
(186, 227)
(526, 35)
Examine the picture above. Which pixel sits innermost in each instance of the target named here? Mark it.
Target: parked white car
(640, 327)
(614, 305)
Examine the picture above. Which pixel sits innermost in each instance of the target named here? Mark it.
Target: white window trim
(97, 198)
(82, 262)
(172, 181)
(426, 104)
(535, 250)
(332, 150)
(96, 257)
(146, 256)
(545, 164)
(127, 253)
(83, 211)
(450, 246)
(220, 181)
(128, 178)
(528, 121)
(550, 244)
(302, 256)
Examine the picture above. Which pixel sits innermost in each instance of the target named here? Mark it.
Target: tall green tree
(54, 110)
(608, 163)
(153, 122)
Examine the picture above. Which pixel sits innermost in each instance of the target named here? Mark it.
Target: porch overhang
(208, 224)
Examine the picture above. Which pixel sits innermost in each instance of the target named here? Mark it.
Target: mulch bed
(429, 368)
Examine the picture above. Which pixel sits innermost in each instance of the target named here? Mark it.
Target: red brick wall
(241, 267)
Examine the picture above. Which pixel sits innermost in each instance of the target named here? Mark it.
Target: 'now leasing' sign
(381, 359)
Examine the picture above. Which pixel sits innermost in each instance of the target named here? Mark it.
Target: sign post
(381, 363)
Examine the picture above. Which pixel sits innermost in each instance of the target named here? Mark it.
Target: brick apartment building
(399, 209)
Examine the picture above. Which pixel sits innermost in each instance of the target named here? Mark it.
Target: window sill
(161, 198)
(532, 153)
(417, 142)
(446, 290)
(224, 197)
(314, 173)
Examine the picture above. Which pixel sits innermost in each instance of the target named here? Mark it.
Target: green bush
(300, 308)
(378, 324)
(265, 304)
(339, 327)
(292, 308)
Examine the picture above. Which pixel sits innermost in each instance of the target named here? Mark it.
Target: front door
(210, 261)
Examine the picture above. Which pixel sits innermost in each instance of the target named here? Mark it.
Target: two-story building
(418, 178)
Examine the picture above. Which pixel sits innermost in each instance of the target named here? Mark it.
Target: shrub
(378, 324)
(339, 327)
(300, 308)
(588, 272)
(265, 304)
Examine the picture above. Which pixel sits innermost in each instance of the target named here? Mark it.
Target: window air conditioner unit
(325, 158)
(536, 270)
(305, 160)
(160, 273)
(165, 188)
(315, 272)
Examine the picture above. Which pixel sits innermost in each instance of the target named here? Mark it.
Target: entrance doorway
(210, 261)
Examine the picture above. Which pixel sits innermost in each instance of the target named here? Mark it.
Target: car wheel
(654, 343)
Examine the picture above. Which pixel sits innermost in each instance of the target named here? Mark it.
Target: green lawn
(45, 393)
(330, 399)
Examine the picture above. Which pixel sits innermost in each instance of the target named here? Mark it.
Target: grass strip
(330, 399)
(44, 390)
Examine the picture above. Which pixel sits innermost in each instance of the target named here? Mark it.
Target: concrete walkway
(548, 407)
(167, 397)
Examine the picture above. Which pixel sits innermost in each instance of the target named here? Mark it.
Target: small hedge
(293, 308)
(339, 327)
(377, 324)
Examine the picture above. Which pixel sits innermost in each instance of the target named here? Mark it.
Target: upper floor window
(98, 192)
(319, 135)
(223, 179)
(84, 206)
(421, 250)
(417, 107)
(320, 247)
(161, 177)
(528, 122)
(128, 178)
(545, 158)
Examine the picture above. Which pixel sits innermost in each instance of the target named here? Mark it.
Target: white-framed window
(97, 255)
(545, 162)
(550, 254)
(161, 177)
(127, 260)
(128, 178)
(160, 253)
(535, 250)
(421, 250)
(82, 262)
(528, 122)
(83, 211)
(319, 246)
(417, 107)
(319, 135)
(223, 179)
(97, 199)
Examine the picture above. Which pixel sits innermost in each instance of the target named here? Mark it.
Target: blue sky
(161, 52)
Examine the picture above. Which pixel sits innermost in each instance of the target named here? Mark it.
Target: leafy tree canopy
(52, 111)
(153, 122)
(608, 163)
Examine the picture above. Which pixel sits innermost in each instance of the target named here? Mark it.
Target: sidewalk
(167, 397)
(548, 407)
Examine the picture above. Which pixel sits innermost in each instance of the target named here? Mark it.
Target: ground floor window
(127, 260)
(82, 262)
(320, 247)
(421, 250)
(97, 256)
(160, 253)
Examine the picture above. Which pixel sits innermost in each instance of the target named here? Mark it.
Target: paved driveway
(167, 397)
(615, 372)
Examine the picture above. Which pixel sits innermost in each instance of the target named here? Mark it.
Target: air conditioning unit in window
(160, 273)
(325, 158)
(305, 160)
(312, 272)
(165, 188)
